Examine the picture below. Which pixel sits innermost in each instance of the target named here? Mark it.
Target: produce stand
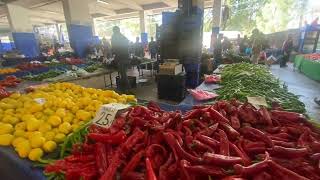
(308, 67)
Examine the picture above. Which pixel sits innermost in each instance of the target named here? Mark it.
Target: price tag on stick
(107, 113)
(257, 101)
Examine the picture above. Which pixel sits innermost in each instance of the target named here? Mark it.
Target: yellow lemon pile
(35, 123)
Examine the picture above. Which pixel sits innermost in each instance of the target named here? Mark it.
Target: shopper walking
(256, 46)
(217, 52)
(153, 48)
(286, 50)
(120, 48)
(138, 48)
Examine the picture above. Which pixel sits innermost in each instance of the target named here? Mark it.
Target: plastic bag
(201, 95)
(212, 78)
(81, 72)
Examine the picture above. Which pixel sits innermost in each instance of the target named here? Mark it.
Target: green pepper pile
(242, 80)
(234, 58)
(40, 77)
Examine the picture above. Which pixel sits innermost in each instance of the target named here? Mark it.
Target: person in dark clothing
(138, 48)
(153, 48)
(244, 43)
(120, 48)
(217, 52)
(286, 50)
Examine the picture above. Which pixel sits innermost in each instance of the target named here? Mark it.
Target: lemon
(19, 133)
(20, 126)
(33, 124)
(68, 118)
(26, 117)
(59, 137)
(6, 128)
(83, 115)
(49, 146)
(35, 108)
(65, 127)
(35, 154)
(49, 136)
(45, 127)
(6, 139)
(48, 112)
(23, 149)
(37, 141)
(54, 120)
(18, 140)
(61, 112)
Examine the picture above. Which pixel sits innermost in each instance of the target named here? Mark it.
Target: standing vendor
(120, 48)
(286, 49)
(138, 48)
(217, 52)
(153, 48)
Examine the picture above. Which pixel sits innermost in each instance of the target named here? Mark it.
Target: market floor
(300, 85)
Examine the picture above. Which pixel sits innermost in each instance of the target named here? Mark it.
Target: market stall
(309, 65)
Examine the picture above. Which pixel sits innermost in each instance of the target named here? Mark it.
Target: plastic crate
(132, 81)
(171, 87)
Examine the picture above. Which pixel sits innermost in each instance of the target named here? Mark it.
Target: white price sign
(257, 101)
(107, 113)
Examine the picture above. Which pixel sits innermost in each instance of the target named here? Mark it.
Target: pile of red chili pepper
(228, 140)
(10, 81)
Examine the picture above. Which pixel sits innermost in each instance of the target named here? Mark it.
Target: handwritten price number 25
(104, 119)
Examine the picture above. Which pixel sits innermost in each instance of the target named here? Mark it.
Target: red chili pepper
(150, 172)
(204, 169)
(224, 143)
(207, 140)
(185, 174)
(262, 176)
(154, 151)
(253, 132)
(200, 124)
(188, 131)
(80, 158)
(253, 169)
(284, 144)
(112, 168)
(117, 138)
(193, 114)
(304, 139)
(133, 163)
(133, 176)
(233, 134)
(289, 152)
(174, 144)
(245, 158)
(272, 130)
(101, 158)
(283, 172)
(209, 131)
(200, 146)
(285, 116)
(233, 178)
(266, 116)
(154, 107)
(219, 159)
(163, 169)
(217, 116)
(136, 136)
(235, 122)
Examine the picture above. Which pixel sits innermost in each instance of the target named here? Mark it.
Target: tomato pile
(314, 56)
(227, 140)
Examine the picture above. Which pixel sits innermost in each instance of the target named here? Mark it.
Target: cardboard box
(170, 69)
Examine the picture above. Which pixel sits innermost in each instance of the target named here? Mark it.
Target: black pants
(284, 60)
(153, 55)
(124, 82)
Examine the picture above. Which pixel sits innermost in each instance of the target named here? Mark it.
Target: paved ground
(300, 85)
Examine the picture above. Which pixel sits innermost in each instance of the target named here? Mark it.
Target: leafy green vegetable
(242, 80)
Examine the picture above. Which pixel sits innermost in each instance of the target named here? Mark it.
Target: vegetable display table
(12, 167)
(308, 67)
